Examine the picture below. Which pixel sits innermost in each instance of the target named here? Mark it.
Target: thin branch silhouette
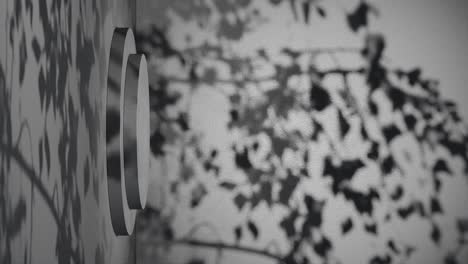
(235, 247)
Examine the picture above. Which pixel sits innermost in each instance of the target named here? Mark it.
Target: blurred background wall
(306, 131)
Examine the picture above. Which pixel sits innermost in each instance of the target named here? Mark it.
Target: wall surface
(307, 131)
(53, 73)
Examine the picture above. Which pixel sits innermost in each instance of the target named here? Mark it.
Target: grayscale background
(282, 131)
